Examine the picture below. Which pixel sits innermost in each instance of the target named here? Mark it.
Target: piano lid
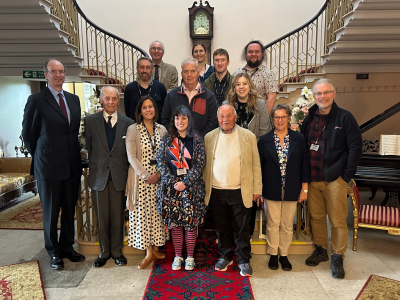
(380, 118)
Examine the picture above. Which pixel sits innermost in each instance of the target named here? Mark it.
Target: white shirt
(114, 118)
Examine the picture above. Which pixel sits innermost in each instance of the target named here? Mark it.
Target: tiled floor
(378, 253)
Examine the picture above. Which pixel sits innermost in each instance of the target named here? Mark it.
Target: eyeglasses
(326, 93)
(282, 117)
(156, 49)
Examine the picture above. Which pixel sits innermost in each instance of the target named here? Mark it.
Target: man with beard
(221, 80)
(263, 78)
(142, 87)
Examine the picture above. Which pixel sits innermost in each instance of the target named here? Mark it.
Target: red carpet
(202, 283)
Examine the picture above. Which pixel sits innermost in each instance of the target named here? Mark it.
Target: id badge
(181, 171)
(314, 147)
(153, 162)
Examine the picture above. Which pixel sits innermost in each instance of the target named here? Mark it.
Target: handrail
(301, 27)
(105, 31)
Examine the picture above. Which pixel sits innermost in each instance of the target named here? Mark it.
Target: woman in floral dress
(142, 143)
(181, 160)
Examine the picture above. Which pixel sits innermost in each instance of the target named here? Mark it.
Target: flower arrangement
(94, 107)
(300, 109)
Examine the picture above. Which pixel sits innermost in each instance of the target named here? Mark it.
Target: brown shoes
(158, 255)
(145, 262)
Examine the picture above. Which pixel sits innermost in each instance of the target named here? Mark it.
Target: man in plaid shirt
(334, 144)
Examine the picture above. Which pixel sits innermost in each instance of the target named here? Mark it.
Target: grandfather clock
(201, 25)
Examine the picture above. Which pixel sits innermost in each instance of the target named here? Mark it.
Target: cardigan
(297, 167)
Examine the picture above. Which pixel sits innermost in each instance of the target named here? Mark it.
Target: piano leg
(373, 193)
(386, 199)
(355, 239)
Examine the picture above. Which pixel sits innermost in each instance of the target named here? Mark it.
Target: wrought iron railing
(301, 50)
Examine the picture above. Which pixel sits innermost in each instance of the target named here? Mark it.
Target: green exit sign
(33, 74)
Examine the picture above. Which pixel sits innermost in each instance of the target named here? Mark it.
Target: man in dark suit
(50, 130)
(105, 134)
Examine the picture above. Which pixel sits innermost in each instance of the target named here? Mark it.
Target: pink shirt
(191, 94)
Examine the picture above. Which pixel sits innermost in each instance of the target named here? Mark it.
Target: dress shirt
(191, 94)
(114, 118)
(55, 94)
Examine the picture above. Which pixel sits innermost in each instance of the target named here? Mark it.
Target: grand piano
(379, 171)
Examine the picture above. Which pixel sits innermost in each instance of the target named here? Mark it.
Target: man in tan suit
(165, 73)
(231, 187)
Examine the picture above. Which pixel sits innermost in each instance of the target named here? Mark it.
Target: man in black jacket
(50, 129)
(335, 146)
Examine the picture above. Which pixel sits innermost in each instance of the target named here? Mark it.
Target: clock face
(201, 23)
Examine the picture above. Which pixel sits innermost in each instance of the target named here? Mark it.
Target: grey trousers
(109, 205)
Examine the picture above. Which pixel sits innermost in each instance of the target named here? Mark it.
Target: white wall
(13, 95)
(236, 22)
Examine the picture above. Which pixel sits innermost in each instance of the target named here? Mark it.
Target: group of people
(217, 145)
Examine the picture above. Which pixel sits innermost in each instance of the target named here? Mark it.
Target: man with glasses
(50, 129)
(334, 146)
(143, 86)
(165, 73)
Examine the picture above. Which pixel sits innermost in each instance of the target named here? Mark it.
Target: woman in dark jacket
(285, 175)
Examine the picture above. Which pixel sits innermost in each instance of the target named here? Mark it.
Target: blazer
(168, 75)
(136, 169)
(101, 159)
(250, 171)
(297, 167)
(261, 122)
(209, 83)
(50, 139)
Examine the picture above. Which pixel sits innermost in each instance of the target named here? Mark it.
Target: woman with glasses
(142, 142)
(285, 175)
(181, 160)
(199, 52)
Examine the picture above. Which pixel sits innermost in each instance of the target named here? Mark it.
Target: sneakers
(246, 269)
(222, 264)
(285, 264)
(320, 254)
(337, 266)
(177, 264)
(273, 262)
(189, 263)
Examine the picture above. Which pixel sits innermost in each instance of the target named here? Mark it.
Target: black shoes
(121, 260)
(99, 262)
(285, 264)
(337, 266)
(73, 256)
(56, 263)
(273, 262)
(320, 254)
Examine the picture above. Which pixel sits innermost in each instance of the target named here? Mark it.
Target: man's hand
(302, 196)
(154, 178)
(258, 198)
(179, 186)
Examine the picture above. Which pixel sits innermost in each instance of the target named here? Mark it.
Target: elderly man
(233, 181)
(201, 101)
(165, 73)
(50, 129)
(263, 78)
(105, 134)
(220, 81)
(335, 146)
(143, 86)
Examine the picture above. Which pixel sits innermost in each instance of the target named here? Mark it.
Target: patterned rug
(21, 281)
(380, 288)
(202, 283)
(26, 215)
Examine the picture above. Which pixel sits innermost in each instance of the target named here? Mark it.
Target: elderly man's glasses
(281, 117)
(156, 49)
(326, 93)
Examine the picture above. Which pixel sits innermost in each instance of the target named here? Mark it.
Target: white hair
(102, 94)
(190, 60)
(234, 110)
(156, 41)
(323, 81)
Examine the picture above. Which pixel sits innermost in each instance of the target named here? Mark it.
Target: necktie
(156, 74)
(62, 105)
(109, 121)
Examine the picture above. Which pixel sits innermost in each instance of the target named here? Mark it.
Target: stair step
(361, 58)
(283, 95)
(368, 33)
(375, 4)
(392, 46)
(311, 77)
(372, 18)
(23, 36)
(33, 49)
(27, 61)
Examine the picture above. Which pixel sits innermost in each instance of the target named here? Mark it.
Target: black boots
(320, 254)
(337, 266)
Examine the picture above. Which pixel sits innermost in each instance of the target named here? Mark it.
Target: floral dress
(187, 208)
(282, 155)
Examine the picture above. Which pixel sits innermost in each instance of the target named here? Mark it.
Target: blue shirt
(55, 94)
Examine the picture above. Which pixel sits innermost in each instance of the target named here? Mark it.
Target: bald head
(226, 118)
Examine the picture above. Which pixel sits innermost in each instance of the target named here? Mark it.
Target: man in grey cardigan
(105, 134)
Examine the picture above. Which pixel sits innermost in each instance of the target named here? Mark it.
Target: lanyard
(152, 140)
(316, 128)
(140, 92)
(181, 151)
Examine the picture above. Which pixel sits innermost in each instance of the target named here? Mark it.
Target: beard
(254, 64)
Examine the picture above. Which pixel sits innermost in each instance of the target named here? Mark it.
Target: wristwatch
(305, 191)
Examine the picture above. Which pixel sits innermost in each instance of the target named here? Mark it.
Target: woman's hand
(154, 178)
(179, 186)
(302, 196)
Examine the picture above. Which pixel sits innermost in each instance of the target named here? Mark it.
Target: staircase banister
(299, 28)
(106, 32)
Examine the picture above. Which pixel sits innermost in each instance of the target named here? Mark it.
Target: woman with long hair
(199, 52)
(181, 159)
(142, 143)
